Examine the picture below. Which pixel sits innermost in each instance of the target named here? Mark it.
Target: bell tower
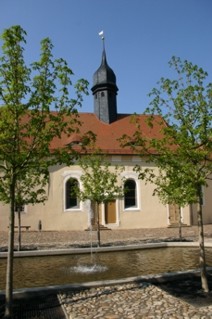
(104, 91)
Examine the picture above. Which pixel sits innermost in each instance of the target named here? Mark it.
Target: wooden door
(110, 212)
(174, 214)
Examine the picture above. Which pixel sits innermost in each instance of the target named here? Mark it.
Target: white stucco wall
(149, 213)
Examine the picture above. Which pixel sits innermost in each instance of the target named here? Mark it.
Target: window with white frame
(71, 199)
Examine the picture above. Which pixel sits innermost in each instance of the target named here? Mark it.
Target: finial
(101, 34)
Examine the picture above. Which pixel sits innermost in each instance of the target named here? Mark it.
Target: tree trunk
(9, 273)
(19, 228)
(98, 227)
(204, 279)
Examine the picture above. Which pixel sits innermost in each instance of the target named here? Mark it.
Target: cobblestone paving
(52, 239)
(143, 301)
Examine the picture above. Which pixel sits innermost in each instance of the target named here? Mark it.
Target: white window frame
(133, 176)
(66, 176)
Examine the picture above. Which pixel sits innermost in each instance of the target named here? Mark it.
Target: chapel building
(138, 208)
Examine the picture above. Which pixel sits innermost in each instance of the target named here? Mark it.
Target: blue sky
(140, 37)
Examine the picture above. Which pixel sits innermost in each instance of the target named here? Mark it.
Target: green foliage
(184, 149)
(100, 183)
(30, 189)
(37, 109)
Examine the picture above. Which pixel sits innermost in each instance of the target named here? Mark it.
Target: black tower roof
(104, 74)
(105, 90)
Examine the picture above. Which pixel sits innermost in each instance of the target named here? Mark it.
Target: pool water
(68, 269)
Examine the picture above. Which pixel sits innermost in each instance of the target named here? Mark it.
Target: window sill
(133, 209)
(71, 210)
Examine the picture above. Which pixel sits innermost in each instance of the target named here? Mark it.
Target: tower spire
(104, 89)
(102, 36)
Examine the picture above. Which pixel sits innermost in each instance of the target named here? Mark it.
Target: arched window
(71, 200)
(130, 196)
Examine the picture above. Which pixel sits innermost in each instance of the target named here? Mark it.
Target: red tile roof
(107, 135)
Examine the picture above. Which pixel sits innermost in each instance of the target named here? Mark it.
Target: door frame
(168, 215)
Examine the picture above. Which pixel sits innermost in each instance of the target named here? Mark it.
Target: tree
(183, 151)
(99, 183)
(36, 111)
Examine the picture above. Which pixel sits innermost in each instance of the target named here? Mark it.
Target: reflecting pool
(67, 269)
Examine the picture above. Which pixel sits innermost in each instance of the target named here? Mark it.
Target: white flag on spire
(101, 34)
